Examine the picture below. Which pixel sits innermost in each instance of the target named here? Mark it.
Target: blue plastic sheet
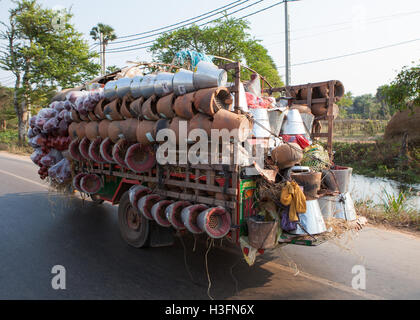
(193, 56)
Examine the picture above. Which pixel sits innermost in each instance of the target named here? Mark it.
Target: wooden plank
(330, 118)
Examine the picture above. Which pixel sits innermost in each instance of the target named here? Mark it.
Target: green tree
(405, 89)
(345, 104)
(6, 106)
(104, 33)
(44, 52)
(366, 107)
(227, 38)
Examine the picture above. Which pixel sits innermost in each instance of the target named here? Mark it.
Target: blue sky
(320, 29)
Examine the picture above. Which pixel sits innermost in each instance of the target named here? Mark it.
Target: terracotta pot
(302, 108)
(92, 116)
(103, 128)
(92, 130)
(140, 158)
(74, 115)
(321, 92)
(80, 130)
(145, 132)
(287, 155)
(164, 106)
(112, 110)
(115, 131)
(73, 129)
(310, 181)
(91, 183)
(184, 106)
(83, 117)
(174, 126)
(99, 109)
(84, 148)
(135, 108)
(129, 128)
(159, 125)
(338, 90)
(321, 109)
(95, 151)
(125, 106)
(146, 203)
(210, 100)
(225, 119)
(158, 212)
(201, 121)
(149, 110)
(106, 150)
(74, 150)
(76, 181)
(119, 151)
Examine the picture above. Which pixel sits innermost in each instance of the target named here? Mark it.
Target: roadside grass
(393, 211)
(380, 159)
(9, 143)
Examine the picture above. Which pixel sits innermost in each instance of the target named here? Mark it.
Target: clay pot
(303, 94)
(159, 125)
(310, 181)
(99, 109)
(225, 119)
(74, 150)
(149, 110)
(140, 158)
(201, 121)
(338, 90)
(83, 117)
(164, 106)
(73, 129)
(92, 116)
(174, 126)
(145, 132)
(321, 109)
(95, 152)
(321, 92)
(129, 128)
(115, 131)
(84, 148)
(135, 108)
(119, 151)
(184, 106)
(287, 155)
(125, 107)
(91, 183)
(210, 100)
(103, 128)
(112, 110)
(106, 150)
(80, 130)
(92, 130)
(74, 115)
(302, 108)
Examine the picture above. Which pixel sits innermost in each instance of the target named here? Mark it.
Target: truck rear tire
(134, 227)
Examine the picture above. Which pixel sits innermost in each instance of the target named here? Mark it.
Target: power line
(353, 53)
(172, 25)
(159, 33)
(116, 50)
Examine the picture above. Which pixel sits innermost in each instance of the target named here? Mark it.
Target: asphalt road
(40, 229)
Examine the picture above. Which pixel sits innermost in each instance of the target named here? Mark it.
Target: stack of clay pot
(320, 109)
(124, 125)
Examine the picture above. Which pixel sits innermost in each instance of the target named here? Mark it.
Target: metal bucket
(260, 115)
(208, 75)
(135, 87)
(147, 88)
(293, 123)
(345, 207)
(311, 221)
(276, 118)
(110, 90)
(123, 86)
(343, 177)
(183, 82)
(163, 83)
(327, 205)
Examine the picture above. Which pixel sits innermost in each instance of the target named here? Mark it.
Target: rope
(207, 268)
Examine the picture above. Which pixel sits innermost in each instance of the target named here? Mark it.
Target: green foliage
(6, 106)
(405, 89)
(106, 30)
(227, 38)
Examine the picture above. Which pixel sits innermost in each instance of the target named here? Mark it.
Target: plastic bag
(51, 158)
(80, 107)
(62, 128)
(47, 113)
(37, 141)
(31, 133)
(61, 171)
(68, 105)
(51, 125)
(32, 121)
(57, 105)
(72, 96)
(37, 155)
(254, 85)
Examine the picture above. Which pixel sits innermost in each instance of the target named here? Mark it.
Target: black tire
(134, 227)
(95, 199)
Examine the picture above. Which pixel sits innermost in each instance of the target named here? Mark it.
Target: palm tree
(104, 33)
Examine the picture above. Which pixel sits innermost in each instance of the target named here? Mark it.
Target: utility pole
(287, 48)
(102, 55)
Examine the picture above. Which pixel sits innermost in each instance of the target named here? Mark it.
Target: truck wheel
(95, 199)
(134, 227)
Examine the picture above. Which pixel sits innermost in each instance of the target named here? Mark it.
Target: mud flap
(160, 236)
